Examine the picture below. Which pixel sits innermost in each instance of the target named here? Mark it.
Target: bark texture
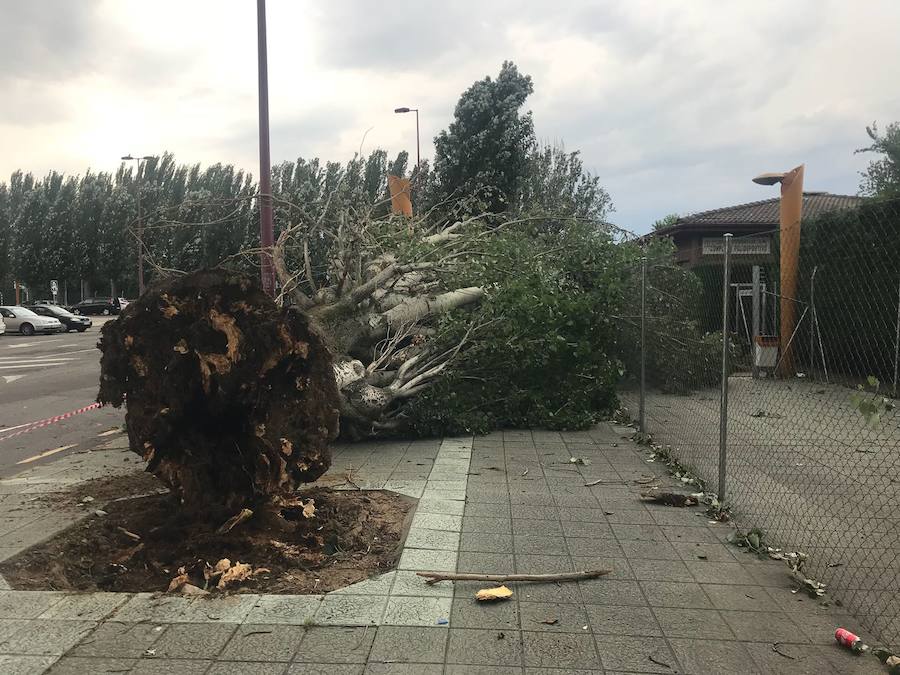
(230, 399)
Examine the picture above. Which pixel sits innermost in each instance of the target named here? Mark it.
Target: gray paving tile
(325, 669)
(437, 505)
(636, 654)
(27, 604)
(748, 598)
(800, 659)
(407, 582)
(707, 572)
(638, 532)
(612, 592)
(428, 560)
(553, 617)
(193, 641)
(594, 547)
(622, 620)
(769, 626)
(335, 644)
(649, 550)
(639, 516)
(433, 539)
(230, 609)
(543, 564)
(291, 609)
(125, 640)
(560, 650)
(490, 525)
(263, 642)
(351, 610)
(484, 647)
(469, 613)
(689, 623)
(703, 551)
(710, 656)
(409, 644)
(558, 592)
(701, 535)
(245, 668)
(78, 665)
(539, 545)
(675, 594)
(533, 512)
(592, 530)
(660, 570)
(437, 521)
(416, 611)
(24, 665)
(152, 607)
(85, 606)
(404, 669)
(50, 638)
(485, 563)
(155, 666)
(486, 543)
(452, 669)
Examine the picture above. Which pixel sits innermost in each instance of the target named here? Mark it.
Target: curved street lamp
(415, 110)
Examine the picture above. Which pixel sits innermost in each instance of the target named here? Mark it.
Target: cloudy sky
(674, 104)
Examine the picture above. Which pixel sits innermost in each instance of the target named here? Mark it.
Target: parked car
(66, 318)
(26, 322)
(2, 327)
(104, 306)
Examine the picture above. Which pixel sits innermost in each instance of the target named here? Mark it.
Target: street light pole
(140, 224)
(418, 155)
(266, 226)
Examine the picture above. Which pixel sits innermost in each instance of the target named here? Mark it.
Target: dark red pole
(266, 228)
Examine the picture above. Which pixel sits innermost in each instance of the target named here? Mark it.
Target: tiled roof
(765, 212)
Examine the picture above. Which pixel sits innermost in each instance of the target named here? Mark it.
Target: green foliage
(681, 356)
(483, 155)
(542, 350)
(882, 177)
(869, 401)
(665, 221)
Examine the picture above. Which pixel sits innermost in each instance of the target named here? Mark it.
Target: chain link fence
(803, 439)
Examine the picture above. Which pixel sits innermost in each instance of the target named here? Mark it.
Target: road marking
(12, 378)
(46, 454)
(6, 366)
(20, 345)
(110, 432)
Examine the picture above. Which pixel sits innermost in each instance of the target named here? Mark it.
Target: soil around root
(140, 544)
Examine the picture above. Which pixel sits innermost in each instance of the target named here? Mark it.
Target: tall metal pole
(266, 227)
(755, 318)
(418, 155)
(642, 419)
(812, 319)
(140, 233)
(723, 400)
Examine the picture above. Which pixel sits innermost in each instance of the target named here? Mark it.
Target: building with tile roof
(698, 237)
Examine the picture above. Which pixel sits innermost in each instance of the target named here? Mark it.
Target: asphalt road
(43, 376)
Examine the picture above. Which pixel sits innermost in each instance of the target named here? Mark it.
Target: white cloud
(675, 105)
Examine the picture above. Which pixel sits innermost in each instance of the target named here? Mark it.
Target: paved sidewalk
(679, 600)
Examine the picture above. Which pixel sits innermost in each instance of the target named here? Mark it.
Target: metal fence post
(756, 311)
(897, 344)
(723, 401)
(642, 420)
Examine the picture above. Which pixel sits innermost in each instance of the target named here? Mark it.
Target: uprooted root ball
(230, 399)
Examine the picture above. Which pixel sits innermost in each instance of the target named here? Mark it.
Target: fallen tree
(511, 309)
(231, 400)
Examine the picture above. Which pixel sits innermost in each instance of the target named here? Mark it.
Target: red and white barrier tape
(51, 420)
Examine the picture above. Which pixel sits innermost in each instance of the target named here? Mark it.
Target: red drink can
(849, 640)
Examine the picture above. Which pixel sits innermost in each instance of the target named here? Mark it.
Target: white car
(2, 327)
(27, 322)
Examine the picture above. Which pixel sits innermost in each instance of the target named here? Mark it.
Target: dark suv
(103, 306)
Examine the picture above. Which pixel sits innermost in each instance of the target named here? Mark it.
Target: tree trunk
(230, 400)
